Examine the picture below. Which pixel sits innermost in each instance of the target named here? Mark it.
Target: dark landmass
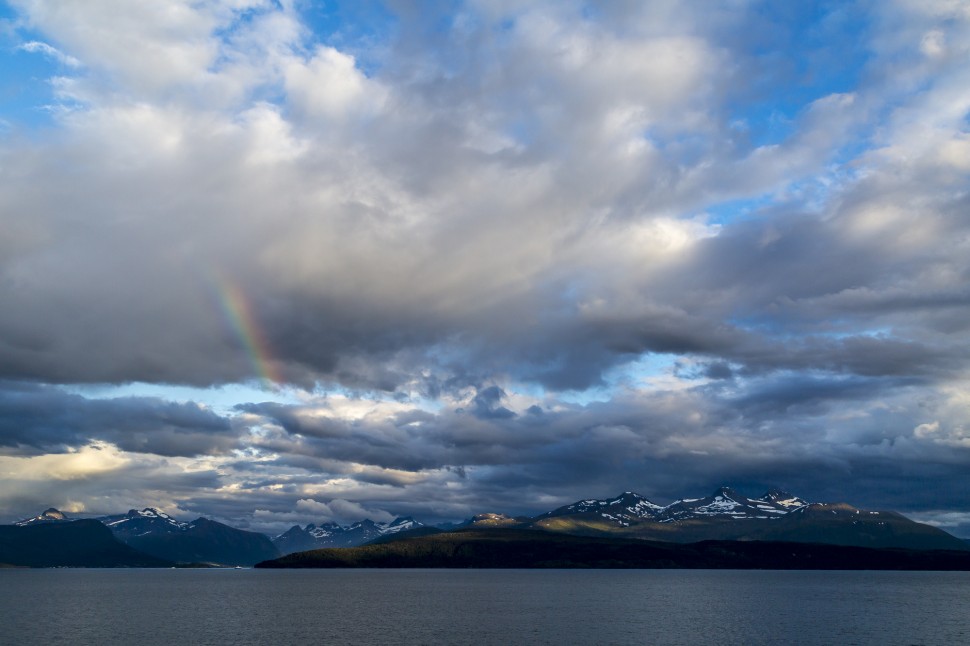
(417, 532)
(817, 523)
(79, 543)
(518, 548)
(207, 541)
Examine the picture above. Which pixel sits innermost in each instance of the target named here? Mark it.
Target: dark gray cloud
(36, 419)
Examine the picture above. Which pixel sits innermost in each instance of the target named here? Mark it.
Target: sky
(281, 261)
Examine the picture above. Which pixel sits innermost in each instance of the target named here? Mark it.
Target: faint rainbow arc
(238, 314)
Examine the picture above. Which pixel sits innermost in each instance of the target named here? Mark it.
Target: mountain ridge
(775, 516)
(300, 539)
(155, 534)
(724, 514)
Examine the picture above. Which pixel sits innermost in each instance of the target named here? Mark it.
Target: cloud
(954, 522)
(37, 419)
(37, 47)
(486, 215)
(487, 404)
(568, 272)
(341, 511)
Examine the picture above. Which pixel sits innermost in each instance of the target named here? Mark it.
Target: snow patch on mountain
(298, 539)
(626, 508)
(50, 515)
(141, 522)
(727, 503)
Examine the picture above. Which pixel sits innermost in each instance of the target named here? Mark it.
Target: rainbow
(238, 314)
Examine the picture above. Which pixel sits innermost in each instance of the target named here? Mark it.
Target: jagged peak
(774, 492)
(726, 492)
(399, 525)
(330, 528)
(49, 515)
(493, 519)
(623, 498)
(782, 498)
(149, 512)
(489, 515)
(328, 525)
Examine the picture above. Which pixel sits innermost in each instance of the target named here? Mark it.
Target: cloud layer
(503, 257)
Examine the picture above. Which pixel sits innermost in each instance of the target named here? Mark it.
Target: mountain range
(156, 534)
(725, 515)
(313, 537)
(200, 541)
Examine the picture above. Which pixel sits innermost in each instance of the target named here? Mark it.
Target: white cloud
(94, 460)
(35, 46)
(341, 511)
(947, 520)
(329, 85)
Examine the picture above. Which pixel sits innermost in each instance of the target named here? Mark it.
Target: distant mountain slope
(488, 520)
(298, 539)
(50, 515)
(723, 515)
(417, 532)
(727, 515)
(159, 537)
(203, 541)
(628, 507)
(517, 548)
(141, 522)
(79, 543)
(725, 502)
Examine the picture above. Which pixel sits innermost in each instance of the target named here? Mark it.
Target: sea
(246, 606)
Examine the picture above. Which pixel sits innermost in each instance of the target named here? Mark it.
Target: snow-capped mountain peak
(782, 498)
(622, 510)
(150, 512)
(399, 525)
(138, 522)
(727, 503)
(322, 531)
(331, 534)
(50, 515)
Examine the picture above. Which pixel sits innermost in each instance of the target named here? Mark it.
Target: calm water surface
(148, 607)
